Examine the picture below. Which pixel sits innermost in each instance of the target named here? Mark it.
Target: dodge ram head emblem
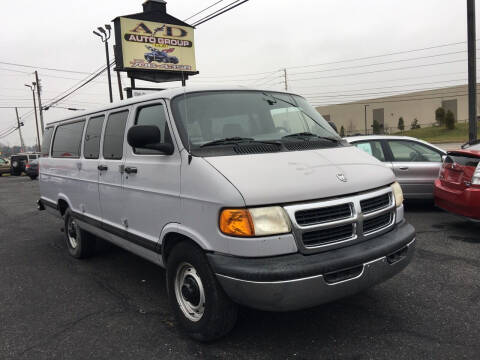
(341, 177)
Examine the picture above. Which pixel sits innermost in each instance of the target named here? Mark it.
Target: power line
(389, 101)
(391, 93)
(220, 11)
(381, 55)
(383, 81)
(382, 70)
(379, 63)
(43, 68)
(390, 87)
(201, 11)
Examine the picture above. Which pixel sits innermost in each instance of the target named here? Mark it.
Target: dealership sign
(149, 45)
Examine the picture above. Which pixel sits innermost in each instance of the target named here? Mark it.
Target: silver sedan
(416, 163)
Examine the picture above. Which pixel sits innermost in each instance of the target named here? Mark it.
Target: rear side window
(91, 146)
(153, 115)
(114, 135)
(68, 140)
(47, 139)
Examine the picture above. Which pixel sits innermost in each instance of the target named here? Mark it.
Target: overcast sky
(257, 37)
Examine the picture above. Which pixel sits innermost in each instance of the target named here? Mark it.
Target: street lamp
(105, 36)
(32, 87)
(366, 133)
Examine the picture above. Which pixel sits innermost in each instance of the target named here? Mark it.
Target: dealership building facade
(420, 105)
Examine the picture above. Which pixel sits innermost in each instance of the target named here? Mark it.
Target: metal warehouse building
(419, 105)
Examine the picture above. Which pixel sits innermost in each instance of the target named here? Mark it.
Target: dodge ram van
(244, 196)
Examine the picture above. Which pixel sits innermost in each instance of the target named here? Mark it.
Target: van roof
(161, 94)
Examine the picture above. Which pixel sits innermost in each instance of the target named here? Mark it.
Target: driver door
(416, 166)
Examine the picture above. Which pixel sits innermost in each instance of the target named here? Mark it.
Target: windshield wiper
(236, 140)
(228, 140)
(303, 135)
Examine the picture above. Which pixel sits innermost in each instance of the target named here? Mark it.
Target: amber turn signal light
(236, 222)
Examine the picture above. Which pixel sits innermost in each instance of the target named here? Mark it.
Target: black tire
(219, 312)
(33, 177)
(84, 244)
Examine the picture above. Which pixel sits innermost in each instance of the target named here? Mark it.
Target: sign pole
(472, 73)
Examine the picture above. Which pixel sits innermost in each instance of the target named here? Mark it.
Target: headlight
(397, 193)
(263, 221)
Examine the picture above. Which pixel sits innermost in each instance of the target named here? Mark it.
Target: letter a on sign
(142, 27)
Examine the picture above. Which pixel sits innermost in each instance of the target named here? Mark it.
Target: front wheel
(199, 303)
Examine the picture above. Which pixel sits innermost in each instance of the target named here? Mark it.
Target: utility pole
(22, 144)
(105, 38)
(32, 87)
(472, 72)
(119, 80)
(366, 133)
(285, 79)
(40, 110)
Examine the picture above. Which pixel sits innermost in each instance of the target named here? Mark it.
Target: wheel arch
(176, 233)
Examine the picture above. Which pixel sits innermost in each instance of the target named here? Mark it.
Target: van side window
(68, 140)
(46, 141)
(91, 146)
(153, 115)
(114, 135)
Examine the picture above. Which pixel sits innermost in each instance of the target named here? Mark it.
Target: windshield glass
(206, 117)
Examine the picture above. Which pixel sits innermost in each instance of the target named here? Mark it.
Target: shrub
(440, 116)
(342, 131)
(450, 120)
(415, 124)
(401, 124)
(376, 127)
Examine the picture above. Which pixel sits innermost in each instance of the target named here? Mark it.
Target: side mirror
(148, 137)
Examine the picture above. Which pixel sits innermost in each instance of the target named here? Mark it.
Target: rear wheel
(80, 244)
(33, 177)
(200, 305)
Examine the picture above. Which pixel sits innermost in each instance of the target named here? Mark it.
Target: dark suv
(18, 162)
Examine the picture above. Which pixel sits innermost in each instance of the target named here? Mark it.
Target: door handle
(403, 167)
(102, 167)
(130, 170)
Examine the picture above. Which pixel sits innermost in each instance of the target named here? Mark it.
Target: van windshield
(228, 118)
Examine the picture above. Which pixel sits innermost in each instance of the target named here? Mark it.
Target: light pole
(366, 133)
(32, 87)
(105, 36)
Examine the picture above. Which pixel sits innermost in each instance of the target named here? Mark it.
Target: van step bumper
(292, 282)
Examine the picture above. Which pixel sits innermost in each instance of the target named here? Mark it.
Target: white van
(244, 196)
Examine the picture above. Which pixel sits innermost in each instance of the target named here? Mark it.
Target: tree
(342, 131)
(415, 124)
(450, 120)
(376, 127)
(401, 124)
(440, 116)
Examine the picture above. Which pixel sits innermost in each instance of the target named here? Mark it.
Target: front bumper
(292, 282)
(462, 202)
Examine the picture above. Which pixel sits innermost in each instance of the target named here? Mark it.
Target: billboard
(149, 45)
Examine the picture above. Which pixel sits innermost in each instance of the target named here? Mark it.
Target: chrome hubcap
(72, 233)
(189, 292)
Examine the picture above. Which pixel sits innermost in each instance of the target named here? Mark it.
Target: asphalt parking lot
(114, 305)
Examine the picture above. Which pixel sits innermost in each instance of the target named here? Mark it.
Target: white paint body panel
(173, 194)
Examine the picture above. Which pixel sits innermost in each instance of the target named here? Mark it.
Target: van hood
(285, 177)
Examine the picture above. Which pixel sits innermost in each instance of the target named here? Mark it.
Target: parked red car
(457, 189)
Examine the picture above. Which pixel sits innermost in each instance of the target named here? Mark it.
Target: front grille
(320, 215)
(329, 224)
(377, 222)
(375, 203)
(325, 236)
